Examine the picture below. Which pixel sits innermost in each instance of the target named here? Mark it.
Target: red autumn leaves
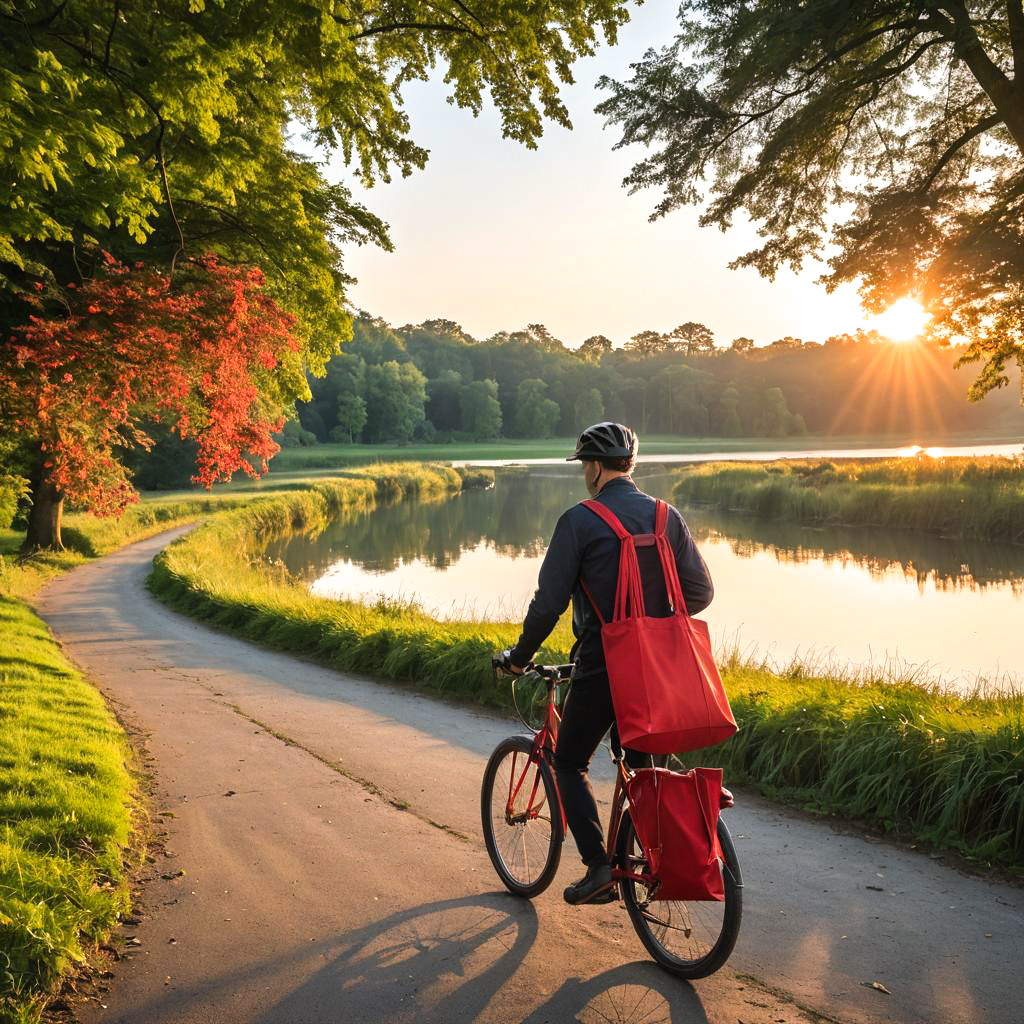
(128, 349)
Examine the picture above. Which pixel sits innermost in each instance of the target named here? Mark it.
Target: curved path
(324, 864)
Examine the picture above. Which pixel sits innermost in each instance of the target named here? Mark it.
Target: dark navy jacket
(583, 545)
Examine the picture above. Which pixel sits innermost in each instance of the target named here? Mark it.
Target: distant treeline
(434, 382)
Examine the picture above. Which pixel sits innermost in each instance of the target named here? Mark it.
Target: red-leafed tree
(127, 348)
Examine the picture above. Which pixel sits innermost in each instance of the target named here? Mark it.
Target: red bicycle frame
(544, 743)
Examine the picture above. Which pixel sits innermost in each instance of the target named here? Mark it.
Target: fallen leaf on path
(877, 986)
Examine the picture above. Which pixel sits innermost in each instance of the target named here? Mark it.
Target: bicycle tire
(682, 967)
(527, 887)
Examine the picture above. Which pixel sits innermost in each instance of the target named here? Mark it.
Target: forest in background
(434, 382)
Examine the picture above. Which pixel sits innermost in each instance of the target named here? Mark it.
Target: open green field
(327, 456)
(906, 757)
(979, 498)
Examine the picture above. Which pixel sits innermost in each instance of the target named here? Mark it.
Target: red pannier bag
(675, 815)
(666, 689)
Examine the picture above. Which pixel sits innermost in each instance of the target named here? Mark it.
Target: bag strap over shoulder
(629, 591)
(605, 513)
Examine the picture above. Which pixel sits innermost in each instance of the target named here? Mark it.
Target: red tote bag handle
(629, 591)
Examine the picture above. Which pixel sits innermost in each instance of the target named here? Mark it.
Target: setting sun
(902, 321)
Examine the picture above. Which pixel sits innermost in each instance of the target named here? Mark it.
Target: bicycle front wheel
(689, 939)
(521, 818)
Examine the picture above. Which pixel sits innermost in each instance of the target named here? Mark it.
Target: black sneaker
(596, 886)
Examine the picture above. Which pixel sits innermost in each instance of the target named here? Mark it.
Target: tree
(773, 418)
(594, 348)
(910, 113)
(741, 345)
(352, 417)
(443, 404)
(728, 422)
(158, 132)
(646, 343)
(694, 339)
(81, 384)
(540, 337)
(589, 408)
(536, 415)
(396, 394)
(480, 409)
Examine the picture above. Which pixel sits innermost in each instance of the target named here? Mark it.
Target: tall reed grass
(979, 498)
(906, 757)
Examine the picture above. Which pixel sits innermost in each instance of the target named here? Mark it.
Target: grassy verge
(976, 498)
(328, 456)
(65, 814)
(907, 758)
(911, 759)
(67, 796)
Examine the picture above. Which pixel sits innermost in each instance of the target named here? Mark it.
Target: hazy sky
(495, 236)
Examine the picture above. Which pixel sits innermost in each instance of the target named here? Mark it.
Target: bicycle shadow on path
(460, 960)
(479, 958)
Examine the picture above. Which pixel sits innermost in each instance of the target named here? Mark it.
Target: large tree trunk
(44, 519)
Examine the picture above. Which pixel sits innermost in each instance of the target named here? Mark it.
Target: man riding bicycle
(584, 550)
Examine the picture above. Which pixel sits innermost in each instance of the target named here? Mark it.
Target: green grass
(976, 498)
(907, 757)
(328, 456)
(68, 807)
(903, 756)
(65, 814)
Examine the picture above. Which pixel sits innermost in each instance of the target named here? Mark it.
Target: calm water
(1011, 448)
(951, 607)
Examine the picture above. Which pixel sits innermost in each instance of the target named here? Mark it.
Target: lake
(944, 607)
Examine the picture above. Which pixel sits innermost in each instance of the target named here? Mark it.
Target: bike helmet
(605, 441)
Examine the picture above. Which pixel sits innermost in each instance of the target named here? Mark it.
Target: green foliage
(980, 498)
(786, 389)
(294, 435)
(909, 116)
(396, 394)
(536, 415)
(112, 115)
(480, 410)
(589, 408)
(13, 490)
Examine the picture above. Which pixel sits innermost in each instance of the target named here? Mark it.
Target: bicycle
(524, 828)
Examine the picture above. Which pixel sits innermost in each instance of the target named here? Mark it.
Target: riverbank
(912, 760)
(332, 456)
(70, 813)
(974, 498)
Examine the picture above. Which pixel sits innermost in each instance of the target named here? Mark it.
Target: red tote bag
(666, 688)
(675, 815)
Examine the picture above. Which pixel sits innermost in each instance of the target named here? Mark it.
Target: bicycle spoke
(522, 833)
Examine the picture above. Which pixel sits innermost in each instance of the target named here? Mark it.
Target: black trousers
(587, 715)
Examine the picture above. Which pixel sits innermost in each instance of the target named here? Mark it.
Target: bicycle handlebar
(554, 673)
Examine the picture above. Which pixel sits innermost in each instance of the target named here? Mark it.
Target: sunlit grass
(977, 498)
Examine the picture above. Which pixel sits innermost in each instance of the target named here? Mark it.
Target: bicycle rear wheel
(521, 818)
(689, 939)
